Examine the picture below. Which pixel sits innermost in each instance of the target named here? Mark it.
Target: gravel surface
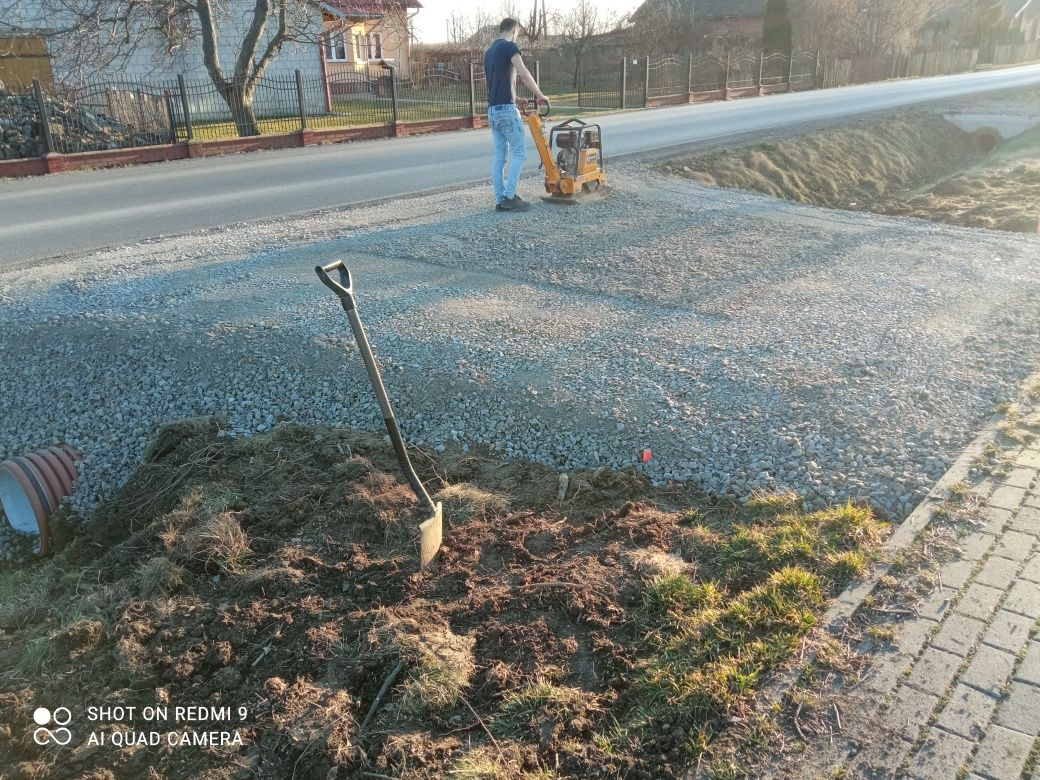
(749, 343)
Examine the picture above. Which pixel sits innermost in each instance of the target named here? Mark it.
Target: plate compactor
(577, 166)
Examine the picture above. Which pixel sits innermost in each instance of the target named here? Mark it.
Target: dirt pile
(912, 165)
(1001, 193)
(846, 167)
(616, 632)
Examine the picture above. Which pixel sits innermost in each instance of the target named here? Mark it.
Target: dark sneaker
(516, 204)
(502, 206)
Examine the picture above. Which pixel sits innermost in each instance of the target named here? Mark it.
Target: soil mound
(613, 633)
(910, 165)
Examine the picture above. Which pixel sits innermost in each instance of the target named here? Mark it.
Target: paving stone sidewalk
(959, 693)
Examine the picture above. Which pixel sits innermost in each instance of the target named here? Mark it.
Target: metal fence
(665, 76)
(123, 114)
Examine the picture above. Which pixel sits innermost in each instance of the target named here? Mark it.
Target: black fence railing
(124, 114)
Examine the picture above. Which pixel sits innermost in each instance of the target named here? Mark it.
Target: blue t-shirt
(499, 71)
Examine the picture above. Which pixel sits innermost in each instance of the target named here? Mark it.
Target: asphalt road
(66, 214)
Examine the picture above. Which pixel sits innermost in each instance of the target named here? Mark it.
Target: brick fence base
(56, 163)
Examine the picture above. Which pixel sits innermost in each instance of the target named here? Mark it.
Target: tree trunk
(239, 99)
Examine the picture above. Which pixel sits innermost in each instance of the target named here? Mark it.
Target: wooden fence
(845, 71)
(1015, 53)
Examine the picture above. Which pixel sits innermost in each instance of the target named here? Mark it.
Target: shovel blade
(431, 532)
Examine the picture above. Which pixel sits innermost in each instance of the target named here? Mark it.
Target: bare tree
(537, 22)
(862, 27)
(238, 39)
(237, 86)
(579, 27)
(509, 8)
(662, 26)
(777, 32)
(891, 26)
(476, 28)
(824, 25)
(978, 22)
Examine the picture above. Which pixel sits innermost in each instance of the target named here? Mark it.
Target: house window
(335, 47)
(369, 47)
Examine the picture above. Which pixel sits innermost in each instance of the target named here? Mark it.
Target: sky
(430, 20)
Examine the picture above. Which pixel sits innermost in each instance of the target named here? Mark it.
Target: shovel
(430, 530)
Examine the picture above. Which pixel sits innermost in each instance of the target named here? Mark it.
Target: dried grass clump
(478, 764)
(159, 576)
(545, 705)
(219, 541)
(465, 500)
(310, 716)
(132, 656)
(80, 638)
(176, 435)
(439, 663)
(504, 761)
(654, 563)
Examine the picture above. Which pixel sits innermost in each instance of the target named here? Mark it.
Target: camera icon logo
(43, 717)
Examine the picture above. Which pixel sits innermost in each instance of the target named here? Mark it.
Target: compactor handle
(528, 107)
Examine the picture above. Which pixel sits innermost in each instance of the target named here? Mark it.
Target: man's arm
(526, 77)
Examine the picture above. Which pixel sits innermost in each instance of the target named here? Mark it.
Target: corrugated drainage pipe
(33, 486)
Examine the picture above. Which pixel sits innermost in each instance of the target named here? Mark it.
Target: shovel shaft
(344, 289)
(384, 405)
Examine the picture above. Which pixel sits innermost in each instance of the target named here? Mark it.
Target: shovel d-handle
(431, 528)
(344, 289)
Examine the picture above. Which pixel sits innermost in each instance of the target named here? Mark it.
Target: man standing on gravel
(502, 64)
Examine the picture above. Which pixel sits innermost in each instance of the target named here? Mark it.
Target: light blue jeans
(507, 133)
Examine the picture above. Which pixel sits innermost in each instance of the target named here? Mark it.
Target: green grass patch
(886, 633)
(712, 643)
(693, 515)
(725, 769)
(477, 765)
(782, 501)
(959, 492)
(677, 594)
(36, 657)
(425, 105)
(829, 542)
(707, 662)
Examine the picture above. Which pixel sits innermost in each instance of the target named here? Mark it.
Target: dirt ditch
(911, 164)
(617, 632)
